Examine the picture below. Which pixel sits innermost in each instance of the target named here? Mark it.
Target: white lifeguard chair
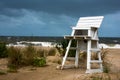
(86, 29)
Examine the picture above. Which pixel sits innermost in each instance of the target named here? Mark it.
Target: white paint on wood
(88, 54)
(77, 54)
(94, 71)
(66, 54)
(90, 21)
(96, 61)
(86, 34)
(99, 57)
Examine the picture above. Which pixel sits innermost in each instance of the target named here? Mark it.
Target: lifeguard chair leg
(77, 55)
(66, 54)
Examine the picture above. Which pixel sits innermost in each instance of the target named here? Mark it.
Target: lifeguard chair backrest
(88, 22)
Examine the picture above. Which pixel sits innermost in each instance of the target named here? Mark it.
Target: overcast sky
(55, 17)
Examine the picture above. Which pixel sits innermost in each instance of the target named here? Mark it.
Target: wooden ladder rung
(80, 37)
(94, 49)
(69, 66)
(73, 48)
(94, 71)
(68, 37)
(96, 61)
(71, 58)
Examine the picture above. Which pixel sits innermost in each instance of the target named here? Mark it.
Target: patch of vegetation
(82, 56)
(18, 57)
(96, 78)
(3, 50)
(59, 61)
(106, 67)
(100, 77)
(41, 53)
(106, 64)
(52, 52)
(14, 57)
(12, 68)
(28, 55)
(3, 72)
(94, 55)
(39, 61)
(59, 49)
(64, 46)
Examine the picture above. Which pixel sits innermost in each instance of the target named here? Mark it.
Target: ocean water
(109, 40)
(14, 39)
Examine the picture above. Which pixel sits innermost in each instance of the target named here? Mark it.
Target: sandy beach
(51, 73)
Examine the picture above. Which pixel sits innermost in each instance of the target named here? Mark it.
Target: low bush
(12, 68)
(41, 53)
(106, 68)
(59, 61)
(28, 55)
(64, 46)
(39, 61)
(14, 57)
(3, 50)
(100, 77)
(2, 72)
(52, 52)
(106, 64)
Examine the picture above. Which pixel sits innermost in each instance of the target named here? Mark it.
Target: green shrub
(39, 62)
(2, 72)
(64, 46)
(3, 50)
(18, 57)
(14, 57)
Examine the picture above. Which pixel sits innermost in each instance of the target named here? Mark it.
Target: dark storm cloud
(35, 23)
(73, 8)
(54, 17)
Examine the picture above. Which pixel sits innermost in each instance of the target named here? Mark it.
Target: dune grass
(30, 55)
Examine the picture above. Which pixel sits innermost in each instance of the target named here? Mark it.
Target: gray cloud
(54, 17)
(75, 8)
(35, 23)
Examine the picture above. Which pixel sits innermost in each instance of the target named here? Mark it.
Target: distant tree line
(14, 39)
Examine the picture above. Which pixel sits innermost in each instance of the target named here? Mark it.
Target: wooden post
(99, 57)
(68, 47)
(66, 54)
(88, 50)
(88, 54)
(77, 55)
